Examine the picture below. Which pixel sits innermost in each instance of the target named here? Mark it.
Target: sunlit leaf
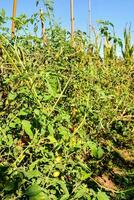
(26, 125)
(102, 196)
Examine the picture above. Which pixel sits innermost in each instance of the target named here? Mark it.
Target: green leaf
(40, 196)
(35, 28)
(63, 187)
(33, 173)
(33, 190)
(16, 121)
(11, 96)
(52, 139)
(96, 151)
(22, 113)
(47, 97)
(52, 86)
(10, 140)
(37, 112)
(10, 186)
(3, 169)
(82, 191)
(64, 132)
(65, 197)
(100, 152)
(93, 148)
(51, 129)
(84, 175)
(102, 196)
(26, 125)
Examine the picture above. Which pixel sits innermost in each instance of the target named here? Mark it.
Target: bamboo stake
(72, 21)
(90, 18)
(13, 16)
(43, 27)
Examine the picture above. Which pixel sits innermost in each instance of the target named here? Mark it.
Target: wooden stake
(72, 21)
(13, 16)
(43, 27)
(90, 18)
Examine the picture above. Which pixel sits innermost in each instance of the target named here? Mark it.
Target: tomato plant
(66, 116)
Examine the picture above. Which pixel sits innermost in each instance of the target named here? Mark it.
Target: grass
(66, 119)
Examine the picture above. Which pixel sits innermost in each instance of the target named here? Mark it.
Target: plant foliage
(66, 115)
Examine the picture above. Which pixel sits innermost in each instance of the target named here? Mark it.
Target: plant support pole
(72, 21)
(90, 18)
(44, 38)
(13, 16)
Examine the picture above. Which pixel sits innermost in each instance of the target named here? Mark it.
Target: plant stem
(60, 95)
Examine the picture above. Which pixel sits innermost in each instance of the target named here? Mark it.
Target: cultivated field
(66, 114)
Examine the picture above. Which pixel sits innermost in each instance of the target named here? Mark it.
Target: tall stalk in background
(128, 49)
(72, 21)
(13, 16)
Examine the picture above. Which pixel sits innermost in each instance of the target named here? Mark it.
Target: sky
(119, 12)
